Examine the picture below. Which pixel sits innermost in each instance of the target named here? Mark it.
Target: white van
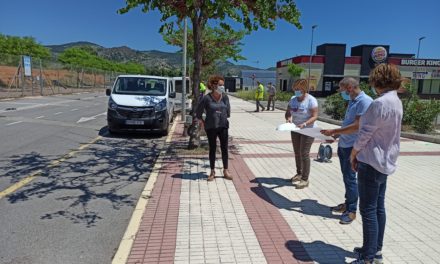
(141, 103)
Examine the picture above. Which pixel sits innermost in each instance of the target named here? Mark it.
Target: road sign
(27, 66)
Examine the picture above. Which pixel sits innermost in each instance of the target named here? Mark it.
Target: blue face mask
(298, 93)
(345, 95)
(373, 90)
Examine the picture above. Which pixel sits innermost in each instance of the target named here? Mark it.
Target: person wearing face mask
(217, 108)
(358, 103)
(302, 110)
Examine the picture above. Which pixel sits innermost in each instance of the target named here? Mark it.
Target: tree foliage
(250, 14)
(218, 44)
(83, 57)
(294, 70)
(22, 46)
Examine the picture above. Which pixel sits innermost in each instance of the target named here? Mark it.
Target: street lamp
(418, 48)
(185, 38)
(310, 58)
(418, 51)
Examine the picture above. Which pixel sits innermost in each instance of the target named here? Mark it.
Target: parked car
(141, 103)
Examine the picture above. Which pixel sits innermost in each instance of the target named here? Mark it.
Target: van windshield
(140, 86)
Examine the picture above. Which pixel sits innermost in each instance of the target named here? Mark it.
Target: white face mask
(221, 89)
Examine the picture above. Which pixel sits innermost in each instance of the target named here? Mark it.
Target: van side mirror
(172, 95)
(108, 92)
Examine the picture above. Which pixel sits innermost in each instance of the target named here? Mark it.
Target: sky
(398, 23)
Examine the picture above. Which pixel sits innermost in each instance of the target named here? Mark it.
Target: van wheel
(166, 130)
(173, 115)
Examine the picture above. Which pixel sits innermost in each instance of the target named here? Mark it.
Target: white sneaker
(302, 184)
(296, 178)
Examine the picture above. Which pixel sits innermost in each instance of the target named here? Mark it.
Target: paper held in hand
(287, 127)
(315, 132)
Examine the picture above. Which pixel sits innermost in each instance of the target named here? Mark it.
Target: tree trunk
(194, 135)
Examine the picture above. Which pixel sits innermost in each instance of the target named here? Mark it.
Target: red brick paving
(155, 240)
(278, 242)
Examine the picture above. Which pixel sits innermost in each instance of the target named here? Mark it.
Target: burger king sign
(379, 54)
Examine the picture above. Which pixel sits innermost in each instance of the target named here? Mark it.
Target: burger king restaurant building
(330, 65)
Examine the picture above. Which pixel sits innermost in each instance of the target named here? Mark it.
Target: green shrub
(284, 96)
(335, 106)
(246, 95)
(408, 99)
(421, 115)
(250, 95)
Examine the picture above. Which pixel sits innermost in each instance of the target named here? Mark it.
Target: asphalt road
(83, 183)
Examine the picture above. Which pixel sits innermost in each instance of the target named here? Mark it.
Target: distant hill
(150, 58)
(60, 48)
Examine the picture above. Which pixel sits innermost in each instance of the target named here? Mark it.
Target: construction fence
(20, 78)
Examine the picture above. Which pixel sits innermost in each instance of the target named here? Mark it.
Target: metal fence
(48, 77)
(251, 83)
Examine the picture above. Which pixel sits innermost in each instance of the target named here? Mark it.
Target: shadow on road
(103, 132)
(102, 173)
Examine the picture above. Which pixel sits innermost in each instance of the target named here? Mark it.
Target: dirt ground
(54, 81)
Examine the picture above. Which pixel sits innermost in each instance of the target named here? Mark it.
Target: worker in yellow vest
(259, 96)
(202, 88)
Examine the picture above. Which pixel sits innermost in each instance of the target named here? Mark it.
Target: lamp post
(415, 74)
(418, 48)
(310, 58)
(184, 73)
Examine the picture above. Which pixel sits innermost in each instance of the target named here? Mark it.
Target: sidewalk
(259, 217)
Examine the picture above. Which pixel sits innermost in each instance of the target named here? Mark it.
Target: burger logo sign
(379, 54)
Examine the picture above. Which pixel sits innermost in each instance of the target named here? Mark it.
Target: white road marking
(39, 117)
(58, 113)
(85, 119)
(13, 123)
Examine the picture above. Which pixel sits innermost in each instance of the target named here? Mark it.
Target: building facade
(249, 78)
(330, 65)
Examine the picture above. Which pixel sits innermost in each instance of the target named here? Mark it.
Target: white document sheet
(287, 127)
(314, 132)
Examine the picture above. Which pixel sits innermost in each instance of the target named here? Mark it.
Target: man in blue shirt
(358, 103)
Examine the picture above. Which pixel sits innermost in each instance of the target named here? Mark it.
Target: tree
(23, 46)
(251, 14)
(11, 45)
(218, 44)
(85, 58)
(294, 70)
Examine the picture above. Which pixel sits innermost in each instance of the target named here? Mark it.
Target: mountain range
(150, 58)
